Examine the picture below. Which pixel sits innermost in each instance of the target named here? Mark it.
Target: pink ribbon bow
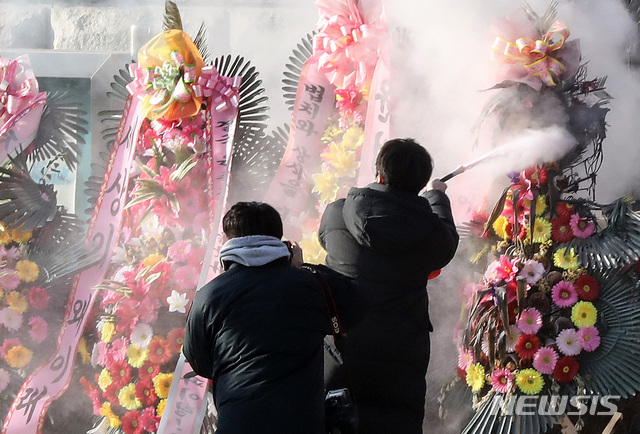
(18, 87)
(223, 90)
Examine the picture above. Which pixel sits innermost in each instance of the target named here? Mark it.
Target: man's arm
(198, 343)
(446, 236)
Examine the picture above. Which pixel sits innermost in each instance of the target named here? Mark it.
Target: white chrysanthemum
(141, 335)
(150, 226)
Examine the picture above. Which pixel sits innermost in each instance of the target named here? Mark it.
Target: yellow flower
(114, 420)
(541, 230)
(584, 314)
(353, 138)
(153, 259)
(18, 356)
(162, 384)
(160, 408)
(107, 332)
(137, 356)
(326, 183)
(104, 379)
(127, 397)
(17, 302)
(5, 235)
(20, 236)
(84, 353)
(530, 381)
(500, 227)
(541, 204)
(567, 261)
(312, 250)
(330, 133)
(342, 160)
(27, 271)
(475, 376)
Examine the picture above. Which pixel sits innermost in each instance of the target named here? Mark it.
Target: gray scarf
(252, 251)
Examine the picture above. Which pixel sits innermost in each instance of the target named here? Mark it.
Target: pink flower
(39, 298)
(196, 257)
(530, 321)
(119, 349)
(9, 280)
(179, 251)
(502, 269)
(149, 420)
(201, 222)
(589, 338)
(187, 277)
(581, 227)
(564, 294)
(13, 254)
(11, 319)
(149, 309)
(568, 342)
(5, 379)
(545, 360)
(501, 380)
(104, 356)
(465, 358)
(532, 271)
(512, 337)
(39, 329)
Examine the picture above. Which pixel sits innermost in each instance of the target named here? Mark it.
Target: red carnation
(561, 229)
(527, 346)
(588, 287)
(566, 369)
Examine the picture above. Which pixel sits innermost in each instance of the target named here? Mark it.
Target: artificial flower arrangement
(346, 49)
(23, 305)
(534, 324)
(532, 316)
(155, 271)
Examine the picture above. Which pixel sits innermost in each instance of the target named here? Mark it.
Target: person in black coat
(389, 239)
(257, 329)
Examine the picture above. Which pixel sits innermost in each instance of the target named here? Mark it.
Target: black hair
(252, 218)
(404, 164)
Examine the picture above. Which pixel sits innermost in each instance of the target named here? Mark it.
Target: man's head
(404, 164)
(252, 218)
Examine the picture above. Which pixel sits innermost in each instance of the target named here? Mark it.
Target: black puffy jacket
(389, 241)
(258, 333)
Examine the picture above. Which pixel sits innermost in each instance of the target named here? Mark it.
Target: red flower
(561, 229)
(131, 423)
(565, 209)
(159, 351)
(146, 393)
(566, 369)
(527, 346)
(148, 370)
(111, 394)
(536, 175)
(120, 373)
(588, 287)
(175, 339)
(38, 298)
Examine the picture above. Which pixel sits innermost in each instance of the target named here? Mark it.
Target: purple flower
(564, 294)
(530, 321)
(545, 360)
(568, 342)
(589, 338)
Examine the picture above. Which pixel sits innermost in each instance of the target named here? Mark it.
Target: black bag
(341, 416)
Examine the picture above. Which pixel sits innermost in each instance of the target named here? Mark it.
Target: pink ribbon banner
(377, 124)
(51, 379)
(21, 105)
(186, 404)
(290, 190)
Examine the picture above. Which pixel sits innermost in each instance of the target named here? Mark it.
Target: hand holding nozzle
(458, 171)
